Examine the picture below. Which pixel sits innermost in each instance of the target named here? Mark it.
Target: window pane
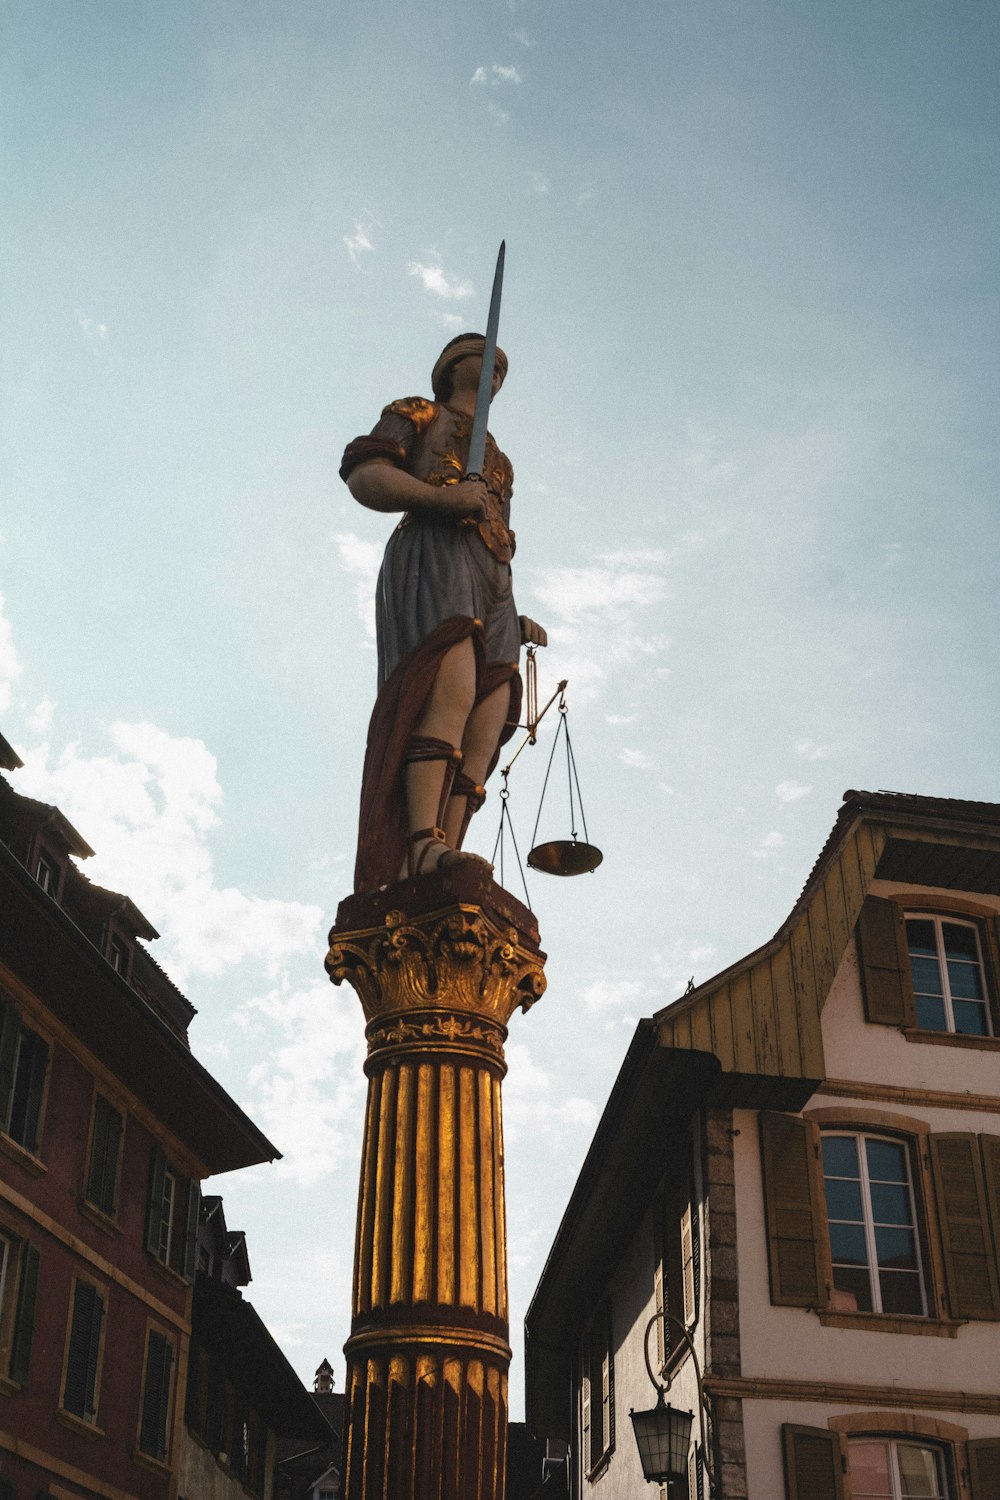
(920, 1472)
(930, 1013)
(920, 936)
(926, 976)
(964, 980)
(847, 1244)
(890, 1203)
(959, 942)
(840, 1156)
(853, 1289)
(896, 1249)
(901, 1292)
(869, 1465)
(843, 1199)
(886, 1161)
(970, 1018)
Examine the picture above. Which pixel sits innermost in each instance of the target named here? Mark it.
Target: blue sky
(751, 312)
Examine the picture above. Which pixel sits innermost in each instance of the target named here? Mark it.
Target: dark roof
(44, 815)
(9, 758)
(49, 953)
(232, 1331)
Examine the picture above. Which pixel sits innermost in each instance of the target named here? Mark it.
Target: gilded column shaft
(428, 1353)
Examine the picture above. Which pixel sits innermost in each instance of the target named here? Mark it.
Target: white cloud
(609, 593)
(359, 242)
(452, 321)
(434, 279)
(502, 116)
(495, 74)
(612, 994)
(10, 665)
(620, 718)
(309, 1091)
(769, 844)
(637, 758)
(540, 183)
(40, 721)
(791, 791)
(90, 327)
(520, 35)
(531, 1103)
(809, 750)
(362, 561)
(149, 809)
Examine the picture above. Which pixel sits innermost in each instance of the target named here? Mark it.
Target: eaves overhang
(44, 949)
(233, 1332)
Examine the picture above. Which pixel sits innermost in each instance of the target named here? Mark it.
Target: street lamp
(663, 1434)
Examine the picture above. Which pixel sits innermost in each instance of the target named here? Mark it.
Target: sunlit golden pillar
(439, 964)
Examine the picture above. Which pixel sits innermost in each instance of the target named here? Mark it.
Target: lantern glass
(663, 1437)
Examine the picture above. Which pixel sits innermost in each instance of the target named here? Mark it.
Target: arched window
(874, 1244)
(946, 966)
(885, 1468)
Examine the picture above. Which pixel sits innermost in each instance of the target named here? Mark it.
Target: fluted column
(439, 965)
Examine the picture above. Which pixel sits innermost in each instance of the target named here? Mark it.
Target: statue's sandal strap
(428, 837)
(424, 747)
(475, 796)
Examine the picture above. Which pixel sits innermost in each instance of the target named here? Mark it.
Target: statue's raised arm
(449, 635)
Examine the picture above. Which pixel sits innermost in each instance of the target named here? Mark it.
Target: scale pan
(565, 857)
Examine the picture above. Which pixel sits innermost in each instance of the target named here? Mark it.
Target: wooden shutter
(885, 964)
(990, 1145)
(80, 1391)
(610, 1378)
(156, 1395)
(154, 1208)
(969, 1260)
(984, 1468)
(659, 1302)
(795, 1218)
(102, 1175)
(10, 1035)
(37, 1065)
(814, 1469)
(191, 1230)
(24, 1317)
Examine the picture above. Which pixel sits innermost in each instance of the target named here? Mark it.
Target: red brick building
(108, 1125)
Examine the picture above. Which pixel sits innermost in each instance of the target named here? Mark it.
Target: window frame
(677, 1255)
(988, 1002)
(167, 1407)
(861, 1135)
(92, 1397)
(15, 1030)
(597, 1353)
(942, 1451)
(91, 1203)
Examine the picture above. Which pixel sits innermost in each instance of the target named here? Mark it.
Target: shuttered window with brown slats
(814, 1468)
(885, 968)
(984, 1468)
(794, 1213)
(970, 1255)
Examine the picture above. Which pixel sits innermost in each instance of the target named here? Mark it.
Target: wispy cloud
(637, 758)
(791, 791)
(361, 560)
(150, 807)
(40, 720)
(769, 845)
(309, 1089)
(521, 36)
(359, 242)
(502, 116)
(540, 183)
(10, 665)
(90, 327)
(436, 280)
(809, 750)
(532, 1104)
(495, 75)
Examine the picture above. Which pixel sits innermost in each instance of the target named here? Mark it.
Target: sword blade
(477, 443)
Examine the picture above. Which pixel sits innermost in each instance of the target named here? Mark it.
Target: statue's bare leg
(448, 711)
(479, 742)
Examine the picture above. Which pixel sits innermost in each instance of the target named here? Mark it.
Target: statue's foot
(427, 851)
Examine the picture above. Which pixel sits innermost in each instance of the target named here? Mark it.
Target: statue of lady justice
(449, 635)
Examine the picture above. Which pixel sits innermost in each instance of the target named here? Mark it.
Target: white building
(800, 1163)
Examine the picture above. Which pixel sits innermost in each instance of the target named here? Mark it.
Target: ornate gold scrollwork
(458, 959)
